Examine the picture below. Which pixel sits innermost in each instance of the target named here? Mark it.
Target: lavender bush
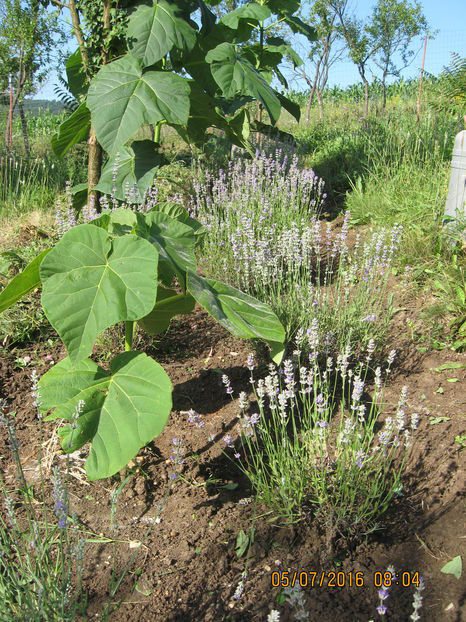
(310, 443)
(265, 238)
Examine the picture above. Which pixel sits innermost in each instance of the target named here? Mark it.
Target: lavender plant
(312, 444)
(41, 558)
(264, 234)
(42, 552)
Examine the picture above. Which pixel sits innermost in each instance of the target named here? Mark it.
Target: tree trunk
(94, 168)
(384, 90)
(24, 128)
(19, 89)
(321, 107)
(313, 90)
(366, 97)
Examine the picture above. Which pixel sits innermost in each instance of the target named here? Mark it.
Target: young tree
(393, 26)
(161, 66)
(325, 51)
(99, 29)
(362, 47)
(28, 35)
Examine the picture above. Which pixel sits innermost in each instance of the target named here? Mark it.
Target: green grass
(393, 168)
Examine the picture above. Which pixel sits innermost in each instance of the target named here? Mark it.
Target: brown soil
(188, 568)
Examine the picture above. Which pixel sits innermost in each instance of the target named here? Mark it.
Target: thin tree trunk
(17, 95)
(384, 90)
(321, 107)
(313, 91)
(366, 97)
(94, 167)
(24, 128)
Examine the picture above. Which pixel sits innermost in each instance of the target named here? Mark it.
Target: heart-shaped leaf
(72, 131)
(174, 242)
(235, 75)
(124, 409)
(178, 212)
(22, 283)
(137, 167)
(117, 221)
(169, 304)
(249, 11)
(154, 30)
(91, 282)
(122, 98)
(242, 315)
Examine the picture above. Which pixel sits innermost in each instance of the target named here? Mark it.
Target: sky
(448, 17)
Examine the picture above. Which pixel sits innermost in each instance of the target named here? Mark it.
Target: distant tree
(323, 52)
(393, 26)
(362, 46)
(28, 35)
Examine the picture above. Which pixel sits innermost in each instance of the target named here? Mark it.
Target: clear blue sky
(446, 16)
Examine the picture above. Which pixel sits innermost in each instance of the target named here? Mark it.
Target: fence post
(455, 209)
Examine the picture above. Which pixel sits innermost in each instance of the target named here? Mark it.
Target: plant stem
(129, 331)
(157, 132)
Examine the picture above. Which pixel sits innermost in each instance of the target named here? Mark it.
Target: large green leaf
(299, 27)
(72, 131)
(76, 78)
(242, 315)
(290, 106)
(122, 98)
(169, 304)
(284, 7)
(124, 409)
(79, 194)
(22, 283)
(91, 281)
(137, 167)
(284, 49)
(154, 30)
(174, 242)
(234, 75)
(202, 114)
(178, 212)
(250, 11)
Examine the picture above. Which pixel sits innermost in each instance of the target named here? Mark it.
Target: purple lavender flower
(228, 440)
(195, 418)
(177, 452)
(358, 388)
(359, 458)
(59, 495)
(227, 383)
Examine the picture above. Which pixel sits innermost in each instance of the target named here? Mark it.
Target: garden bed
(186, 567)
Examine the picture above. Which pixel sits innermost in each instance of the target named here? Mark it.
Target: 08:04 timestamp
(340, 579)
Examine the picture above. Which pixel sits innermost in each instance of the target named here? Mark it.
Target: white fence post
(456, 199)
